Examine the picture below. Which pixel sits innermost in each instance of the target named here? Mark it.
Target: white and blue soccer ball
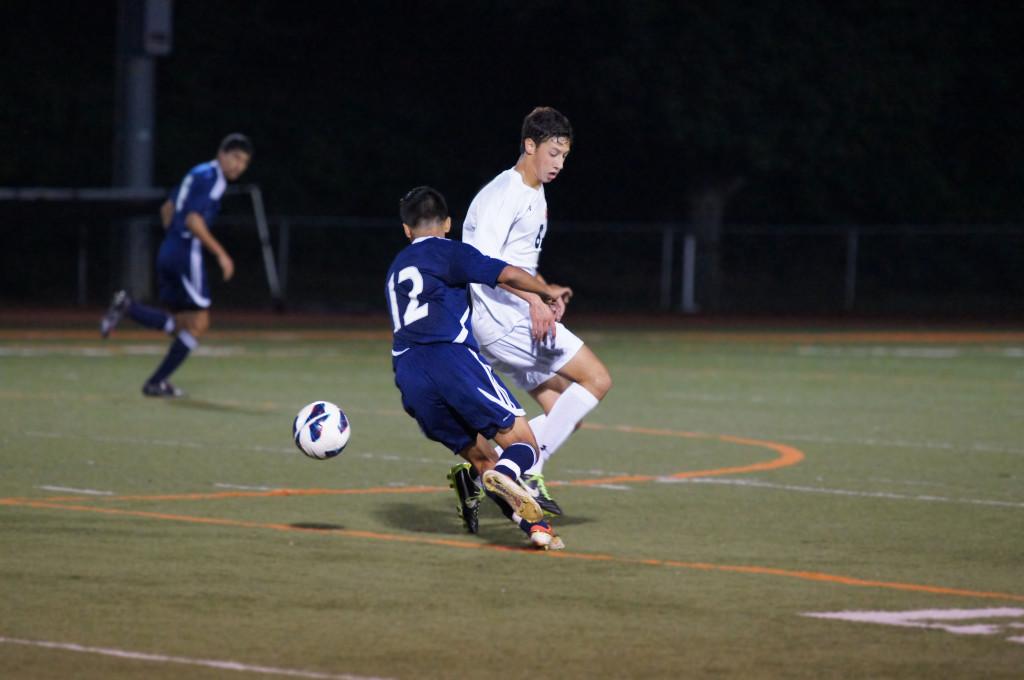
(321, 430)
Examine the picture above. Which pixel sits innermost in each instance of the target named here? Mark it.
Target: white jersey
(507, 220)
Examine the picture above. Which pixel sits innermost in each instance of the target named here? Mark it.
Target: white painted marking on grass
(163, 658)
(599, 473)
(881, 351)
(242, 487)
(34, 351)
(936, 619)
(68, 489)
(972, 447)
(178, 443)
(613, 487)
(839, 492)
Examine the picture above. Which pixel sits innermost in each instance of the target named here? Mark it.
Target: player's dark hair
(542, 124)
(422, 206)
(236, 140)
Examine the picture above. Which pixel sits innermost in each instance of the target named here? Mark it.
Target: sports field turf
(734, 482)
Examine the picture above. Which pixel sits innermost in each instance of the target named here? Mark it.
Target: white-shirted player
(518, 333)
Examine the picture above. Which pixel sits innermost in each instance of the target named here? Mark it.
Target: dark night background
(795, 113)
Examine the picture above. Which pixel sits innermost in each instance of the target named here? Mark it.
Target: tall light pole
(144, 32)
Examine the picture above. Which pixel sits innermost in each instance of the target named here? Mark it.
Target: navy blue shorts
(453, 394)
(181, 277)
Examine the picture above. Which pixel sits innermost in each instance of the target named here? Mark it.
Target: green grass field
(732, 482)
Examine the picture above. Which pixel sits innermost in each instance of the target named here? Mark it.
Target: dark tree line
(802, 111)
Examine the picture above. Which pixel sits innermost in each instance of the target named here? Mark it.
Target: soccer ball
(321, 430)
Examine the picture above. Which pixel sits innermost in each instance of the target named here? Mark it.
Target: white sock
(570, 408)
(537, 425)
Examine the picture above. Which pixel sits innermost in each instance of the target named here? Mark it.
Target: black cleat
(161, 389)
(535, 485)
(118, 306)
(468, 494)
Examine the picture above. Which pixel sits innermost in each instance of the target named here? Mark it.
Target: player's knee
(599, 383)
(200, 325)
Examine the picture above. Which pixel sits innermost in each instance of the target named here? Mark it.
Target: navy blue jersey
(180, 270)
(427, 291)
(199, 192)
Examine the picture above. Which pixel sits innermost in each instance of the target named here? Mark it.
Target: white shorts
(528, 363)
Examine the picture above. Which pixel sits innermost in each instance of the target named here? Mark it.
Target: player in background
(183, 285)
(520, 334)
(446, 385)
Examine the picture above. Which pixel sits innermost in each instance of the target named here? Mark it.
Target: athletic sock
(537, 425)
(150, 317)
(516, 459)
(507, 510)
(181, 347)
(561, 421)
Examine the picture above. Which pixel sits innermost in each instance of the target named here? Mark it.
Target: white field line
(179, 443)
(68, 489)
(881, 351)
(973, 447)
(157, 349)
(163, 658)
(885, 351)
(840, 492)
(948, 620)
(242, 487)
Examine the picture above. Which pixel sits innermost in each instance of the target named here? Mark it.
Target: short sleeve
(469, 265)
(194, 192)
(494, 220)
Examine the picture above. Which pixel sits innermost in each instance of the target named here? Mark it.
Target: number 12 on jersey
(414, 311)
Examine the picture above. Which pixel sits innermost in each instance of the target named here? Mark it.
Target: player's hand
(556, 299)
(542, 320)
(227, 265)
(558, 307)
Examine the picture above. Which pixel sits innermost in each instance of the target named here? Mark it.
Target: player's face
(549, 158)
(233, 163)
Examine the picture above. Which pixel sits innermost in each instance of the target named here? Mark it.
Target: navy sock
(149, 317)
(181, 347)
(516, 459)
(507, 510)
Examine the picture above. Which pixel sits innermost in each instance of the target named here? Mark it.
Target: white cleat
(514, 494)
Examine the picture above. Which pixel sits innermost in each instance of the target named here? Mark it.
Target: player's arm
(166, 213)
(516, 279)
(197, 225)
(543, 315)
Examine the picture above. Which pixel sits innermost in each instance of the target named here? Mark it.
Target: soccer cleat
(161, 389)
(118, 306)
(510, 491)
(543, 537)
(469, 495)
(535, 485)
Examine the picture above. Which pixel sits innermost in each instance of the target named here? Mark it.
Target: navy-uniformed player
(184, 288)
(449, 389)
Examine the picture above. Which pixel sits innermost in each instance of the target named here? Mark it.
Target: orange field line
(788, 455)
(453, 543)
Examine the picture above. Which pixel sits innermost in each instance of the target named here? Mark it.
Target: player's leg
(519, 453)
(122, 304)
(567, 397)
(184, 288)
(190, 326)
(464, 479)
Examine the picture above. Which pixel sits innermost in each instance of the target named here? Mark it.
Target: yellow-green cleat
(535, 485)
(468, 494)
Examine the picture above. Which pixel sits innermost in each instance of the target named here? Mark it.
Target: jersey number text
(414, 311)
